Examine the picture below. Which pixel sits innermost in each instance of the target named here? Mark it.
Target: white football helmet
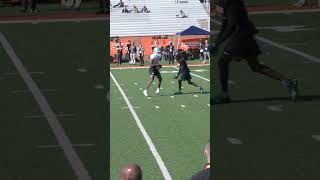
(157, 50)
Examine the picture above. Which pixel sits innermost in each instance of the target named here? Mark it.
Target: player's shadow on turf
(285, 99)
(205, 92)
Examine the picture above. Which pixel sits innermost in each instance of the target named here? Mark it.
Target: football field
(53, 119)
(262, 134)
(164, 134)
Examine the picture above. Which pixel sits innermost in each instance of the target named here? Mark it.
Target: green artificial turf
(179, 133)
(59, 50)
(276, 144)
(49, 9)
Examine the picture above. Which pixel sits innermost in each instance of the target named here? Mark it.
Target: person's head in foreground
(204, 174)
(207, 155)
(131, 172)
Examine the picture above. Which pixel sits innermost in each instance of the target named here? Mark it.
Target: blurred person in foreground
(131, 172)
(205, 173)
(237, 35)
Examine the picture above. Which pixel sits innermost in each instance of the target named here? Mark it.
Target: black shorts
(242, 48)
(154, 72)
(185, 77)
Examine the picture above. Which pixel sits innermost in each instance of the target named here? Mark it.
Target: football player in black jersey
(239, 34)
(184, 73)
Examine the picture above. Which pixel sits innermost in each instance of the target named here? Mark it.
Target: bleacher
(161, 20)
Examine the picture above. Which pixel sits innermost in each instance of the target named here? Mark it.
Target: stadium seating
(161, 20)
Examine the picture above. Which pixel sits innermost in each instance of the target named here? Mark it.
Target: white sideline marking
(275, 108)
(108, 96)
(122, 98)
(316, 137)
(146, 67)
(286, 11)
(172, 72)
(99, 86)
(26, 91)
(293, 28)
(58, 146)
(152, 147)
(294, 51)
(230, 82)
(197, 76)
(53, 121)
(234, 140)
(82, 70)
(42, 116)
(128, 108)
(34, 21)
(9, 74)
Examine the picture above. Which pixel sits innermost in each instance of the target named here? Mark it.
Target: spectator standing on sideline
(119, 48)
(201, 49)
(133, 52)
(206, 52)
(154, 44)
(32, 3)
(140, 50)
(128, 50)
(205, 173)
(170, 51)
(131, 172)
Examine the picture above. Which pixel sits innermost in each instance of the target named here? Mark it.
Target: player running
(240, 33)
(154, 70)
(184, 74)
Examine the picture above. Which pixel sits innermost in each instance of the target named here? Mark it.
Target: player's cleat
(177, 93)
(158, 91)
(220, 99)
(145, 92)
(293, 88)
(201, 89)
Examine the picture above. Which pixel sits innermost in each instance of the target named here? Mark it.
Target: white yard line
(27, 91)
(13, 73)
(62, 139)
(286, 11)
(35, 21)
(129, 108)
(42, 116)
(280, 46)
(146, 67)
(316, 137)
(152, 147)
(58, 146)
(233, 140)
(197, 76)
